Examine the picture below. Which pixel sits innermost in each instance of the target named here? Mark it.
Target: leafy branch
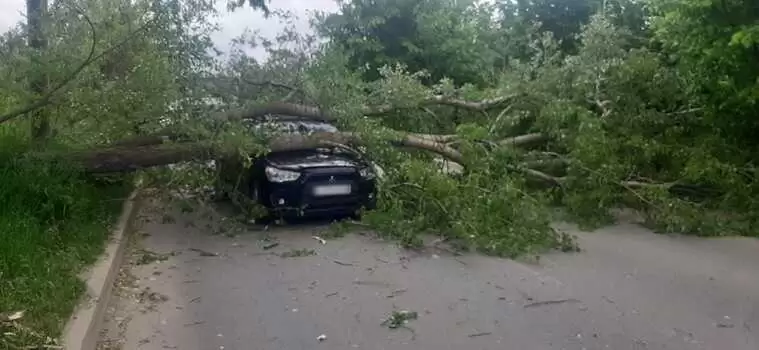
(92, 57)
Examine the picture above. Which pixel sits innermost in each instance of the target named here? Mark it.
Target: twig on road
(397, 292)
(551, 302)
(202, 252)
(342, 263)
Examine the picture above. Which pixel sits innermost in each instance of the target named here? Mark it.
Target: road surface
(193, 283)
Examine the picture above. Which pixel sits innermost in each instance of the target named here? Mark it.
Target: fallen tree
(168, 147)
(535, 139)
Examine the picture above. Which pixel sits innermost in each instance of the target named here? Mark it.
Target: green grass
(53, 223)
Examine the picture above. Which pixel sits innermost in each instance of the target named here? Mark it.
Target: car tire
(253, 194)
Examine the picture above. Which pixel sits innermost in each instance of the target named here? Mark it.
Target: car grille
(328, 176)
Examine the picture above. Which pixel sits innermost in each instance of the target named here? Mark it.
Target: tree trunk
(149, 151)
(125, 159)
(37, 14)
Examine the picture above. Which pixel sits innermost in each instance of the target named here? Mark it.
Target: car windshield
(291, 125)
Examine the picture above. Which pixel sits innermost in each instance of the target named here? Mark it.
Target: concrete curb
(81, 331)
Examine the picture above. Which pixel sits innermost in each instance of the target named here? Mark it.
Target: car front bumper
(298, 198)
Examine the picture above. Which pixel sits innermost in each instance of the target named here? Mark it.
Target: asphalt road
(218, 288)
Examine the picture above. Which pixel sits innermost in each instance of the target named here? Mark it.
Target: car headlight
(280, 175)
(367, 173)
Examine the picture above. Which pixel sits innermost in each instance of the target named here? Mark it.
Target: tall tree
(446, 38)
(715, 45)
(565, 18)
(37, 17)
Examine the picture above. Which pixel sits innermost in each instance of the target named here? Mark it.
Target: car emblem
(331, 179)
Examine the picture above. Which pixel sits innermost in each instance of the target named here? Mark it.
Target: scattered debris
(147, 295)
(399, 318)
(371, 283)
(148, 257)
(195, 300)
(474, 335)
(270, 245)
(296, 253)
(342, 263)
(321, 240)
(11, 316)
(551, 302)
(321, 337)
(10, 328)
(202, 252)
(397, 292)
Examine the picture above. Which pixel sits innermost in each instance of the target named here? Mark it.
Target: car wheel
(254, 197)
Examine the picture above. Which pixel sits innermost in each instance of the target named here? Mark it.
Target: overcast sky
(232, 24)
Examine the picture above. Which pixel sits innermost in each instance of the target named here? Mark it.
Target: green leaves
(747, 37)
(444, 38)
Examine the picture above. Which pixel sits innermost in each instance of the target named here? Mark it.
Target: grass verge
(53, 223)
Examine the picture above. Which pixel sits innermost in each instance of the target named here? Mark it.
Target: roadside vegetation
(53, 223)
(568, 112)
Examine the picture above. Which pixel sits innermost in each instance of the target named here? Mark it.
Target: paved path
(629, 289)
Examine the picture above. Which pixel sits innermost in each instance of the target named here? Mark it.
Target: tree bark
(37, 11)
(315, 113)
(145, 152)
(126, 159)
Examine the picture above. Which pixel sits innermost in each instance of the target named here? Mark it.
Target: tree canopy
(554, 109)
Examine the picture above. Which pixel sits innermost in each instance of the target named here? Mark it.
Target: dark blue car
(321, 182)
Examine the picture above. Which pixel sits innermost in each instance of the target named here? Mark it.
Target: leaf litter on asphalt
(296, 253)
(400, 319)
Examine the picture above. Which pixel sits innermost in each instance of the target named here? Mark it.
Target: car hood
(297, 161)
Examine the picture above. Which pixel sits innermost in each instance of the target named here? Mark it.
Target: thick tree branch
(300, 141)
(523, 139)
(316, 113)
(130, 157)
(280, 108)
(482, 105)
(120, 159)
